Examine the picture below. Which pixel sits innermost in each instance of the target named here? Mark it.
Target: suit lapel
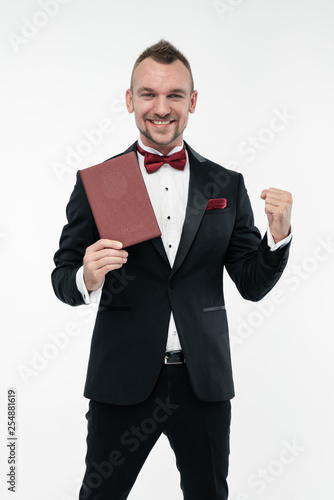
(159, 246)
(200, 188)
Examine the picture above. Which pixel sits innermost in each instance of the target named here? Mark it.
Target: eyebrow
(173, 91)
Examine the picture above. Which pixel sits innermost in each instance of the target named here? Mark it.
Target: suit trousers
(120, 439)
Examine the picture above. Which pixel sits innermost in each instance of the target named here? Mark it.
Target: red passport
(119, 200)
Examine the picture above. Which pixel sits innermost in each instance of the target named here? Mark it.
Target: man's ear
(128, 101)
(193, 101)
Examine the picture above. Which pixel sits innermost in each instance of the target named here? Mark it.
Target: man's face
(161, 99)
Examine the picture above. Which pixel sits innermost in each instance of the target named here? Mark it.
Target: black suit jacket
(131, 327)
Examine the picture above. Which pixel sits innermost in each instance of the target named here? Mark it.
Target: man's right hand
(100, 258)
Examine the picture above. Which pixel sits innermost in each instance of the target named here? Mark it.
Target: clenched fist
(278, 206)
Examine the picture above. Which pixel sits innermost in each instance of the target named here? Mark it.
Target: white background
(251, 59)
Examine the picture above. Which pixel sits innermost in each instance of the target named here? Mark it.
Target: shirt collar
(154, 151)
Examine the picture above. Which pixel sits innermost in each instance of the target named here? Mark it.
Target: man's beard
(161, 142)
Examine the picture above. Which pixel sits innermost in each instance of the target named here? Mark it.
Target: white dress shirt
(168, 192)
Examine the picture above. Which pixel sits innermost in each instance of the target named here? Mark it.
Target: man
(160, 357)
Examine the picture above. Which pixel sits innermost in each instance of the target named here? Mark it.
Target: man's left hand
(278, 206)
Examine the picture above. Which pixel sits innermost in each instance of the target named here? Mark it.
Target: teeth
(160, 123)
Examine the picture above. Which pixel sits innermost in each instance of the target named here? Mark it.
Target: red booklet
(119, 200)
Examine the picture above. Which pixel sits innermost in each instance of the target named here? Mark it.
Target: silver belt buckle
(173, 363)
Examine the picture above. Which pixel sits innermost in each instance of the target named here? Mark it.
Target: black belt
(174, 358)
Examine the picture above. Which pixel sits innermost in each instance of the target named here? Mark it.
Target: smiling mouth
(161, 122)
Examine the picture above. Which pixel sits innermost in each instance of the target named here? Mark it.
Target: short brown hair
(165, 53)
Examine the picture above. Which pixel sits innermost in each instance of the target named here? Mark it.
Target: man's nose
(162, 107)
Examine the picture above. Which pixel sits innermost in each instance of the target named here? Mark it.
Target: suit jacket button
(172, 284)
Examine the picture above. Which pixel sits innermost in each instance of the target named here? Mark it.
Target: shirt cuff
(89, 298)
(275, 246)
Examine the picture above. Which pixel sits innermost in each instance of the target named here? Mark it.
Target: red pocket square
(215, 203)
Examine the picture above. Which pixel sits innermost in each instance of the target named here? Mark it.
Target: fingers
(100, 258)
(104, 243)
(107, 256)
(277, 200)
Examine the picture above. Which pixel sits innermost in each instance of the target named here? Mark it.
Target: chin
(163, 140)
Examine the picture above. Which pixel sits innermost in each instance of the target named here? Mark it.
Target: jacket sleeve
(79, 233)
(253, 267)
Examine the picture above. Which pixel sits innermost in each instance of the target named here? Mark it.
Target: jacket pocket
(114, 308)
(217, 211)
(214, 308)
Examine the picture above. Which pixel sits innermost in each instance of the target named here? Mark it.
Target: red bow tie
(153, 162)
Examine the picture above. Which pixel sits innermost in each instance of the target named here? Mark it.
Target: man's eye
(176, 96)
(147, 95)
